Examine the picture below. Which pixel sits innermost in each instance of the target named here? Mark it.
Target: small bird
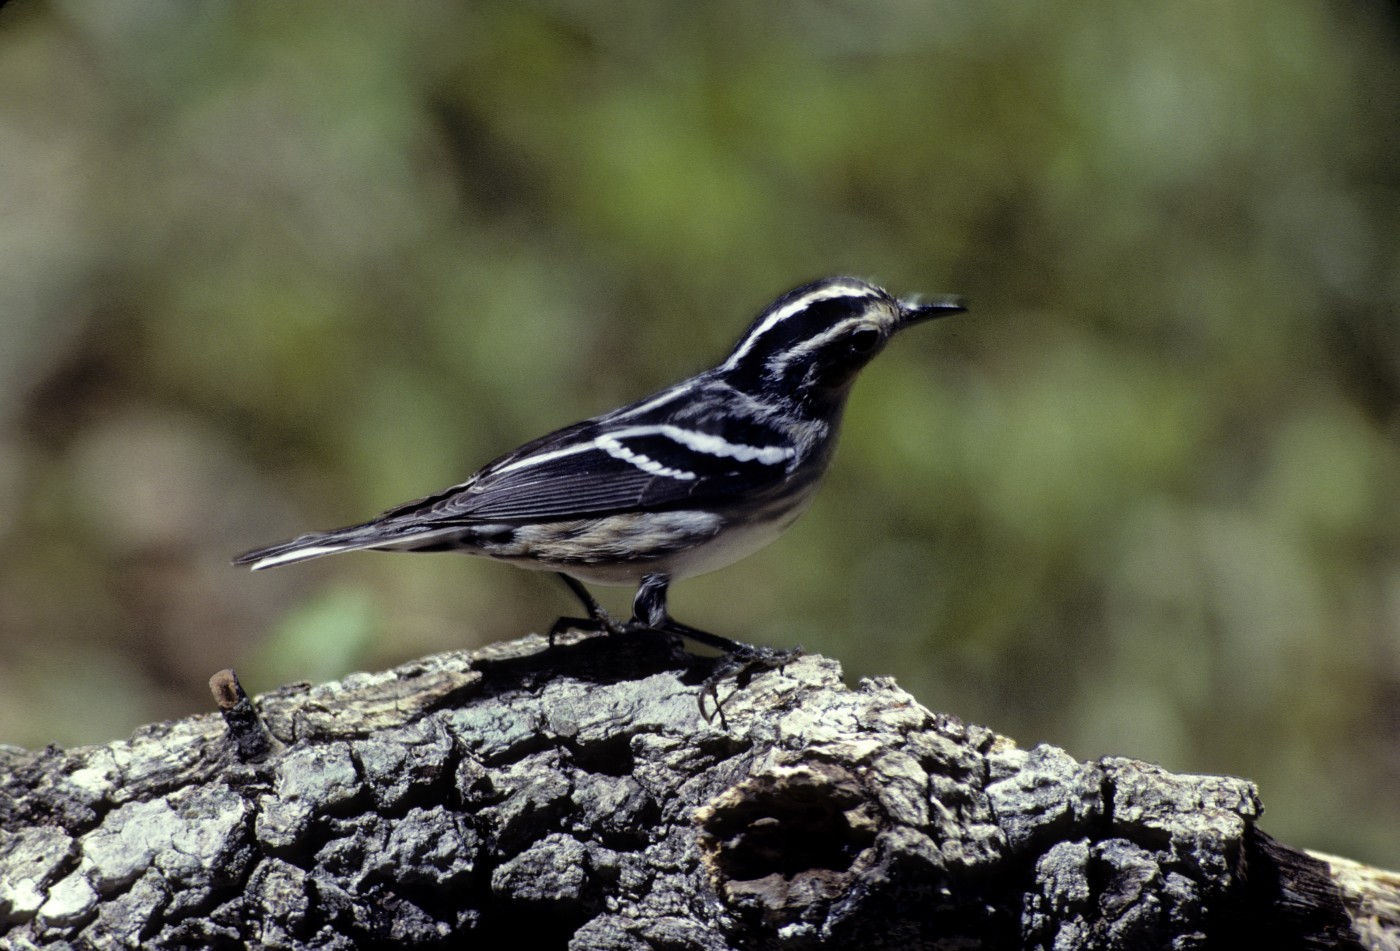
(682, 482)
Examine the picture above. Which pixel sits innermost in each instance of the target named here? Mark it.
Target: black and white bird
(683, 482)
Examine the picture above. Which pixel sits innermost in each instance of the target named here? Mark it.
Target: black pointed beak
(931, 308)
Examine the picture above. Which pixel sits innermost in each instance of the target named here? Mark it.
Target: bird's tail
(355, 538)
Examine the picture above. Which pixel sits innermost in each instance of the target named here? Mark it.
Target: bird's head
(811, 342)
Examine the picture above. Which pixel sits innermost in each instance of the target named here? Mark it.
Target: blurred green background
(268, 267)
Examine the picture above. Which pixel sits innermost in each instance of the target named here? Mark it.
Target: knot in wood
(786, 838)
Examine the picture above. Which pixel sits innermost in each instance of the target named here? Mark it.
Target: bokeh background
(268, 267)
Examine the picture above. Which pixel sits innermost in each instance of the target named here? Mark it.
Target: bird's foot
(604, 623)
(598, 620)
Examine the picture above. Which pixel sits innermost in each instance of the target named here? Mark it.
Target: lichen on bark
(574, 797)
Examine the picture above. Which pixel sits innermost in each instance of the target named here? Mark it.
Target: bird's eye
(864, 341)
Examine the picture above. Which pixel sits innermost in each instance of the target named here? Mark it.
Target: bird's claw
(604, 623)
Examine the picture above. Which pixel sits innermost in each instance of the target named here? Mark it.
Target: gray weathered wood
(575, 798)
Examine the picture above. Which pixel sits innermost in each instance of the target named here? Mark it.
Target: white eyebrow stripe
(815, 343)
(795, 307)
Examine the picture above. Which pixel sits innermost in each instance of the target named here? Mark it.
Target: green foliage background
(268, 266)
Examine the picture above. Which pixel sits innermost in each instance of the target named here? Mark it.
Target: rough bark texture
(575, 798)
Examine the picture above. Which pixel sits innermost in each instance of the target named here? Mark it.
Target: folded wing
(603, 470)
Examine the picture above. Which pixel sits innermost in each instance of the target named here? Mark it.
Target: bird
(681, 482)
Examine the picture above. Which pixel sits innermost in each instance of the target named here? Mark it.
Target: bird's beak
(943, 305)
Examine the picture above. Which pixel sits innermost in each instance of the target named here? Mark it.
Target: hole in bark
(548, 928)
(803, 819)
(610, 757)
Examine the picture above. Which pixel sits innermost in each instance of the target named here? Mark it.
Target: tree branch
(574, 797)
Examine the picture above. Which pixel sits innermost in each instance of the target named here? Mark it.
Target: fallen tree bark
(574, 797)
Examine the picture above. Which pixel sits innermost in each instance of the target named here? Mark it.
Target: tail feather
(356, 538)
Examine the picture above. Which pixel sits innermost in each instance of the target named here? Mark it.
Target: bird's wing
(612, 465)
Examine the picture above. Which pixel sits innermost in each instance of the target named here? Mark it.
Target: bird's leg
(649, 611)
(598, 620)
(740, 659)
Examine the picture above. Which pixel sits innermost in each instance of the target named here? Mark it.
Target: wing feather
(594, 468)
